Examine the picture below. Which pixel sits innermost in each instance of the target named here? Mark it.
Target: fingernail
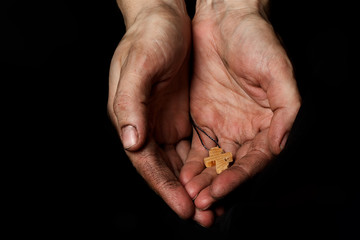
(284, 140)
(195, 197)
(129, 136)
(205, 208)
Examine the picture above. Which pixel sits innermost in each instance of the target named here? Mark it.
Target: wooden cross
(218, 158)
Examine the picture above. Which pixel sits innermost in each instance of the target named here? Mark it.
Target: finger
(246, 165)
(285, 102)
(183, 149)
(204, 218)
(229, 146)
(194, 163)
(130, 100)
(204, 200)
(201, 181)
(280, 127)
(150, 162)
(174, 161)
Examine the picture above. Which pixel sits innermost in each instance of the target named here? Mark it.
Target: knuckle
(121, 101)
(110, 111)
(144, 59)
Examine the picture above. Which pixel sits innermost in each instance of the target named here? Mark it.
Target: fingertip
(191, 190)
(175, 195)
(275, 148)
(131, 137)
(189, 171)
(193, 166)
(277, 141)
(217, 189)
(155, 171)
(204, 200)
(178, 200)
(281, 125)
(284, 141)
(200, 182)
(204, 218)
(227, 181)
(185, 209)
(183, 149)
(185, 176)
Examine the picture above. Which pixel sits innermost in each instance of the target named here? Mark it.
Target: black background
(70, 177)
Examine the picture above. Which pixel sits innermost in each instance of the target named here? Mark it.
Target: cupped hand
(243, 94)
(149, 99)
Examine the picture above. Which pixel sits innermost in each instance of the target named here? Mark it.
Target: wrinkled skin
(149, 95)
(243, 93)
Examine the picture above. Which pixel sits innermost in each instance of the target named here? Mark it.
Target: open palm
(243, 94)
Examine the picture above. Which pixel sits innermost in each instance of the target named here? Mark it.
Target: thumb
(129, 106)
(285, 102)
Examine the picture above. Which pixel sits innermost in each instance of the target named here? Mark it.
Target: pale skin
(242, 92)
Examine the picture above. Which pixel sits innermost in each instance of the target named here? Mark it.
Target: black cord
(196, 127)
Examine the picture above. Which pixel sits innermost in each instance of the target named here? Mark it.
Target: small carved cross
(218, 158)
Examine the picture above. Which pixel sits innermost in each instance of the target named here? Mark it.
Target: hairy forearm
(131, 8)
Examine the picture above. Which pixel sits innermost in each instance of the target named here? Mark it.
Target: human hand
(243, 93)
(148, 96)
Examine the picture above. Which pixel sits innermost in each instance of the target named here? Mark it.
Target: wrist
(245, 6)
(130, 9)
